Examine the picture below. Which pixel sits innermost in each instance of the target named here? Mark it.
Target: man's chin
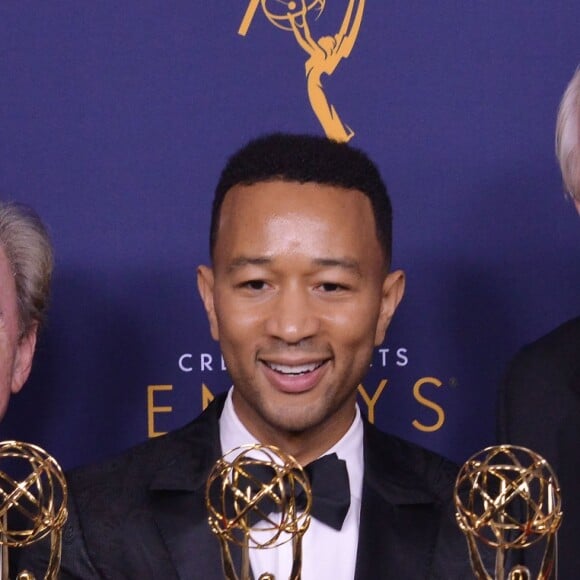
(294, 420)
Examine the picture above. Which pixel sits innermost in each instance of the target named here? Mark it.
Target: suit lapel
(182, 522)
(399, 519)
(178, 498)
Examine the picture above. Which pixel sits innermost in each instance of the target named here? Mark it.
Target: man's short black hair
(306, 159)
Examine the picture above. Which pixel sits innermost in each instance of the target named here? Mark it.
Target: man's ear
(205, 282)
(392, 294)
(23, 360)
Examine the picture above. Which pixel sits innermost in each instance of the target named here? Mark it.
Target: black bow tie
(330, 489)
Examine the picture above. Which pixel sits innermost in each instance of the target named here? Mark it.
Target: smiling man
(299, 293)
(298, 297)
(25, 273)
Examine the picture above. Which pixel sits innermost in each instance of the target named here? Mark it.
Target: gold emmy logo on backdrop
(40, 498)
(251, 497)
(324, 54)
(508, 498)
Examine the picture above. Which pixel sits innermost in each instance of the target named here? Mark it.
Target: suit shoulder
(137, 465)
(133, 461)
(560, 347)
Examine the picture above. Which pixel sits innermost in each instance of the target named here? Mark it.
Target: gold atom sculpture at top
(508, 497)
(39, 497)
(258, 497)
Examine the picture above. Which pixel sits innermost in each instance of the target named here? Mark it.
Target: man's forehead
(322, 224)
(250, 209)
(285, 203)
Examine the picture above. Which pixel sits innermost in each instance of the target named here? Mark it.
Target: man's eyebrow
(242, 261)
(344, 263)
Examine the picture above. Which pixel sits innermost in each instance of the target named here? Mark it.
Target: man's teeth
(294, 369)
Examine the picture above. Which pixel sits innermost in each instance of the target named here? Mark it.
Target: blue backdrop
(116, 118)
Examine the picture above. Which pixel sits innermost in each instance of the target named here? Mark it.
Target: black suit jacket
(539, 408)
(143, 516)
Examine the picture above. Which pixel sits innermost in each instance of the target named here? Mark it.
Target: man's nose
(293, 316)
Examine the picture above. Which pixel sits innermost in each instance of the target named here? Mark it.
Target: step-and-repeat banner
(116, 118)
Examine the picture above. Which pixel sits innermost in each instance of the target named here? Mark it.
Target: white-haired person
(26, 262)
(539, 403)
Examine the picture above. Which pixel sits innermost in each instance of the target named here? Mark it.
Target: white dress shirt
(326, 553)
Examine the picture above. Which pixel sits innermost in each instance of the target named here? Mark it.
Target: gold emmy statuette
(508, 498)
(39, 498)
(251, 497)
(323, 54)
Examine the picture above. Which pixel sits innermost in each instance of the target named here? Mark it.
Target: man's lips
(294, 377)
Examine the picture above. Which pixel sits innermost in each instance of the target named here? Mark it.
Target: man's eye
(254, 284)
(332, 287)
